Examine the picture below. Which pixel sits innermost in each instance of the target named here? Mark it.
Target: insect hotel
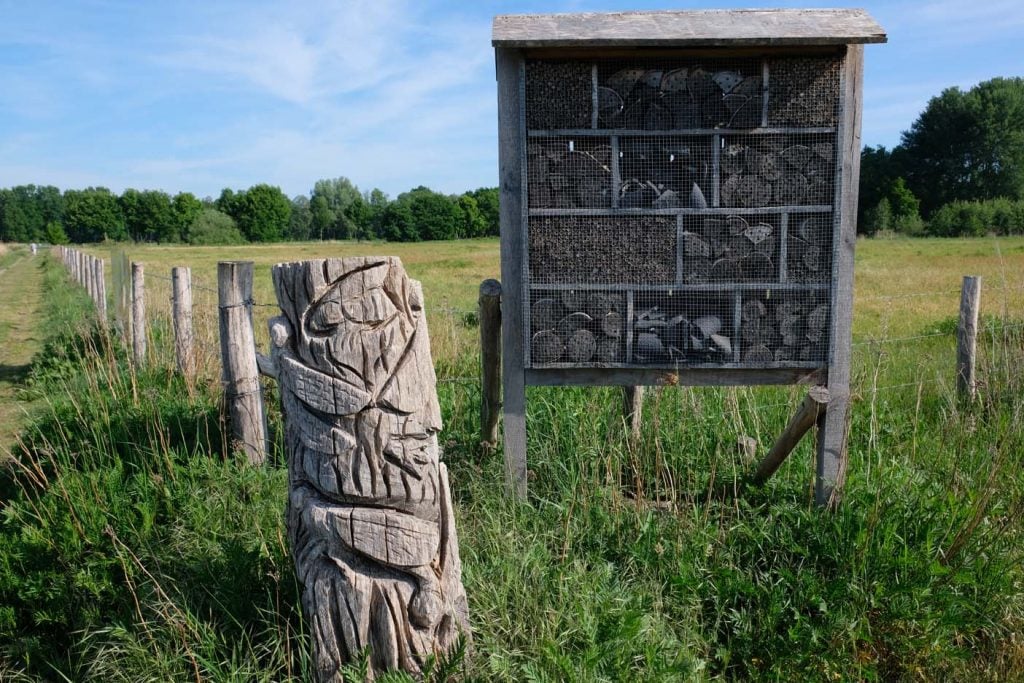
(678, 206)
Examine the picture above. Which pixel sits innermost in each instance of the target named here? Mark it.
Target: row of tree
(334, 209)
(965, 147)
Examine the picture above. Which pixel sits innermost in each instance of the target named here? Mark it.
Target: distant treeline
(958, 170)
(334, 209)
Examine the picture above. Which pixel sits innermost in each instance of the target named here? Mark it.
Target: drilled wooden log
(490, 361)
(580, 346)
(546, 347)
(239, 372)
(369, 512)
(812, 407)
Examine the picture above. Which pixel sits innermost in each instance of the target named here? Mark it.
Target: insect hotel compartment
(682, 328)
(680, 94)
(558, 95)
(602, 249)
(664, 172)
(803, 91)
(730, 249)
(783, 327)
(777, 170)
(569, 173)
(577, 327)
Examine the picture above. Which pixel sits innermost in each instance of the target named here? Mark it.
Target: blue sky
(197, 96)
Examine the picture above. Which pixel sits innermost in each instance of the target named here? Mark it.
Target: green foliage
(967, 145)
(54, 233)
(26, 211)
(149, 216)
(300, 225)
(93, 215)
(214, 227)
(262, 213)
(971, 219)
(877, 219)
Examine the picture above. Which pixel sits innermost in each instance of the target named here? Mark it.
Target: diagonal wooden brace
(813, 405)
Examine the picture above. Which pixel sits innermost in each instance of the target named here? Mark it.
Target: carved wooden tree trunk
(369, 512)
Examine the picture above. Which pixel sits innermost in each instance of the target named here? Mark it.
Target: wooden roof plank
(702, 28)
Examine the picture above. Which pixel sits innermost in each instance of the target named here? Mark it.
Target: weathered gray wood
(100, 285)
(806, 416)
(181, 312)
(512, 182)
(701, 28)
(138, 314)
(746, 448)
(240, 375)
(710, 377)
(633, 410)
(490, 361)
(369, 511)
(675, 132)
(710, 211)
(831, 460)
(967, 336)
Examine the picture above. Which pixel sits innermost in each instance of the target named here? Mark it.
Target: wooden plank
(737, 321)
(716, 170)
(630, 313)
(680, 366)
(712, 287)
(511, 151)
(630, 132)
(593, 96)
(616, 171)
(622, 53)
(704, 28)
(811, 408)
(967, 336)
(722, 377)
(490, 361)
(765, 75)
(831, 456)
(710, 211)
(783, 246)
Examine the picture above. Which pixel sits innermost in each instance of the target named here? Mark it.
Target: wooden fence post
(967, 336)
(490, 361)
(138, 314)
(238, 358)
(100, 285)
(181, 281)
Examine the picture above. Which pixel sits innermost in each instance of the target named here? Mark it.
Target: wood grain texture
(490, 361)
(710, 377)
(967, 336)
(831, 456)
(370, 516)
(240, 374)
(702, 28)
(138, 314)
(511, 172)
(805, 417)
(181, 314)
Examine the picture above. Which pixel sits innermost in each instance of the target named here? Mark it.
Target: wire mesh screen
(680, 211)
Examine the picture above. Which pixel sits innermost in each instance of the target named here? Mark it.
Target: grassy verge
(131, 548)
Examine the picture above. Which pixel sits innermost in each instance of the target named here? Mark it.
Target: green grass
(132, 548)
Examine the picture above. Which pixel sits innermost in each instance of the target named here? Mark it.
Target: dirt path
(21, 293)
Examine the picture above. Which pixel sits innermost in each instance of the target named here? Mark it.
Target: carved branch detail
(369, 512)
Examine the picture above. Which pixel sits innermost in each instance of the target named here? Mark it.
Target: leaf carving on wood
(369, 512)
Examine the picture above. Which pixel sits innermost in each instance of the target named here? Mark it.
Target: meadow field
(133, 547)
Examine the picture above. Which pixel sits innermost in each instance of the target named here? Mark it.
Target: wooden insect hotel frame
(678, 204)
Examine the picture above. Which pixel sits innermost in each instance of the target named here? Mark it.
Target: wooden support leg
(515, 431)
(830, 471)
(814, 404)
(633, 408)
